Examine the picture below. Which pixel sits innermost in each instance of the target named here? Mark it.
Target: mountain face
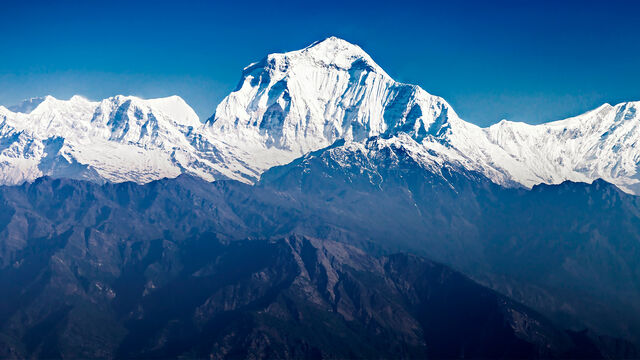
(99, 271)
(289, 104)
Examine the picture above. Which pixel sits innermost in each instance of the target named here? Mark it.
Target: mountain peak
(49, 103)
(331, 39)
(330, 53)
(79, 99)
(334, 51)
(172, 108)
(334, 44)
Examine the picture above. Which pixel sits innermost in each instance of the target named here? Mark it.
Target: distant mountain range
(289, 104)
(351, 216)
(183, 267)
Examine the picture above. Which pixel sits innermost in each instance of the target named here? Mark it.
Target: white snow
(292, 103)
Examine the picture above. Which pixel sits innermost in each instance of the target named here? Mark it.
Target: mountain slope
(190, 292)
(569, 250)
(166, 269)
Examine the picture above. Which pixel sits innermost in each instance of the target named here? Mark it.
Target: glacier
(290, 104)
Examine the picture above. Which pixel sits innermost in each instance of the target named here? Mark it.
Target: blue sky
(530, 61)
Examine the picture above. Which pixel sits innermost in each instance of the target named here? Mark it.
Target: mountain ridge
(161, 266)
(289, 104)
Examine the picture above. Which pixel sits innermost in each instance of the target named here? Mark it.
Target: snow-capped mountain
(123, 138)
(290, 104)
(602, 143)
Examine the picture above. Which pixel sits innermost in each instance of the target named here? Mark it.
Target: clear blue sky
(530, 61)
